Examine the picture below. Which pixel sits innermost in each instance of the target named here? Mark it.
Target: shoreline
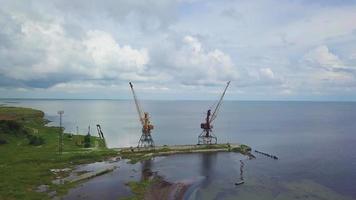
(29, 152)
(33, 123)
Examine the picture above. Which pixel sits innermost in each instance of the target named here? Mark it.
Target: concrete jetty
(136, 154)
(266, 154)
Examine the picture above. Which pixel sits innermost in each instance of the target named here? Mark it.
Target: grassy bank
(29, 149)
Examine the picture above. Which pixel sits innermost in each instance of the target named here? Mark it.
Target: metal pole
(60, 138)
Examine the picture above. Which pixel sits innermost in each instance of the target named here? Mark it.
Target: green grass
(139, 188)
(244, 149)
(23, 167)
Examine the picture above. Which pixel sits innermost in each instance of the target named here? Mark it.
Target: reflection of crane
(207, 136)
(242, 164)
(146, 138)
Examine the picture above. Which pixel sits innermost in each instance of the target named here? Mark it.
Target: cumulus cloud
(41, 55)
(322, 57)
(267, 72)
(110, 59)
(196, 65)
(327, 69)
(269, 47)
(323, 24)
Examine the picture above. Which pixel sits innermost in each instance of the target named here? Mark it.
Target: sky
(182, 49)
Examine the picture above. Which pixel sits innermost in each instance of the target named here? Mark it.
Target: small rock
(60, 170)
(115, 159)
(42, 188)
(239, 183)
(58, 181)
(52, 194)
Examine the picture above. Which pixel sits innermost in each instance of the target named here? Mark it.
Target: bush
(87, 141)
(3, 141)
(35, 140)
(245, 148)
(8, 126)
(12, 127)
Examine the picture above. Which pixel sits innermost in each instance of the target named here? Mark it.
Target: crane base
(146, 141)
(207, 139)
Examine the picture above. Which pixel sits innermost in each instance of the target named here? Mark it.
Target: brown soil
(162, 189)
(7, 117)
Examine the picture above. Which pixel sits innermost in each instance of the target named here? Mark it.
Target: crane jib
(137, 104)
(213, 116)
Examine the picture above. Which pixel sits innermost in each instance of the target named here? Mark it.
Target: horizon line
(122, 99)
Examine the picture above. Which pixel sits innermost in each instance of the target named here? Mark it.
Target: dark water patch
(107, 186)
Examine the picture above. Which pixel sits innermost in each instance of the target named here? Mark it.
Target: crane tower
(146, 138)
(207, 136)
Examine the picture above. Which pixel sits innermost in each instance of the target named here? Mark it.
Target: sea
(315, 143)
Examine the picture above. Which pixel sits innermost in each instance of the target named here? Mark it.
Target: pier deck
(135, 154)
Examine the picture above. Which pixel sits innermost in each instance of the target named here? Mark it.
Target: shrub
(245, 148)
(87, 141)
(35, 140)
(12, 127)
(3, 141)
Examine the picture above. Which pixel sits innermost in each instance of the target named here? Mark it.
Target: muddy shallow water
(107, 186)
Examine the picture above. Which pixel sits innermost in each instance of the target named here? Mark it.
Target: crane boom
(213, 116)
(138, 107)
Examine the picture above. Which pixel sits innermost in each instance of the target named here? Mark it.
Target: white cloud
(267, 72)
(95, 56)
(322, 57)
(326, 69)
(269, 47)
(110, 59)
(197, 65)
(323, 24)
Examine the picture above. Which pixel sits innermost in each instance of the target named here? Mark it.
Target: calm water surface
(315, 143)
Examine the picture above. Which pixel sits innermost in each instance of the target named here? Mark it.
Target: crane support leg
(145, 141)
(207, 137)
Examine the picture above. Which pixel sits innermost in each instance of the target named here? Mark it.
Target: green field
(29, 149)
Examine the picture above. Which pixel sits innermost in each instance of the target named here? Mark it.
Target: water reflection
(146, 170)
(208, 166)
(242, 164)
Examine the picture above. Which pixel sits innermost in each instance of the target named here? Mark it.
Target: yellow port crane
(146, 138)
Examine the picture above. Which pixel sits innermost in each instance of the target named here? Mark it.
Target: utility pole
(60, 136)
